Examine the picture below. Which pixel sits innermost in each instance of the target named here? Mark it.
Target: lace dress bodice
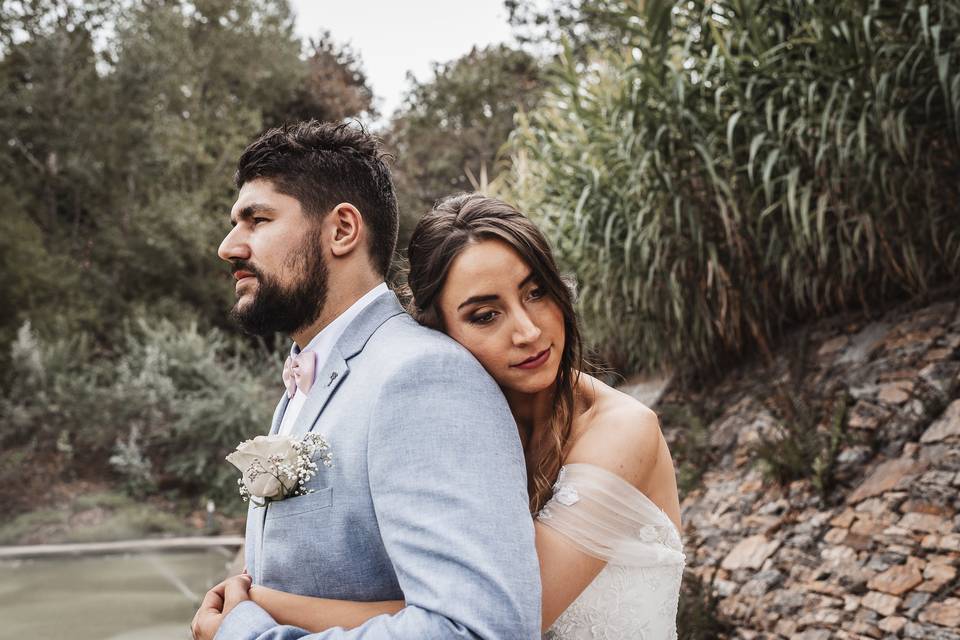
(636, 595)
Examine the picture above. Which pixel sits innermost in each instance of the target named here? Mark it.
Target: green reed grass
(742, 165)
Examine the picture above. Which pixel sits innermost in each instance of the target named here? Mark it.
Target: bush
(689, 443)
(26, 524)
(697, 616)
(94, 517)
(129, 523)
(165, 408)
(800, 447)
(743, 165)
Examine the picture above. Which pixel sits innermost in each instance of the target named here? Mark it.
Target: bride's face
(494, 306)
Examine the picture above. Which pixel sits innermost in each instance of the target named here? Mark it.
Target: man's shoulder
(402, 339)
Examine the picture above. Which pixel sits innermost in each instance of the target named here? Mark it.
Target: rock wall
(879, 557)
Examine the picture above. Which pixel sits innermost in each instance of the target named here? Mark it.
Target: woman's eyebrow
(492, 297)
(476, 299)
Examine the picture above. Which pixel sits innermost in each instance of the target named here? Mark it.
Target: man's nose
(234, 246)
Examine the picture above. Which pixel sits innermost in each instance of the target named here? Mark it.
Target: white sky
(394, 37)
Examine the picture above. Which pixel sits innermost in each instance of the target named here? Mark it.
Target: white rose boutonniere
(278, 467)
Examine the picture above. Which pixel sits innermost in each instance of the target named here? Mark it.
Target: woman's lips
(535, 361)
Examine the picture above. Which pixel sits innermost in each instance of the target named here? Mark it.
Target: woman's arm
(565, 572)
(319, 614)
(627, 443)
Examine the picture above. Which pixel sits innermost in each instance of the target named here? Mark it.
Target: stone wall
(879, 557)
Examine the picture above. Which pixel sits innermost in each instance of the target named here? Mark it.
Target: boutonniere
(277, 467)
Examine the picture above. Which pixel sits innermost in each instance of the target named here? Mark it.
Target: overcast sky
(394, 37)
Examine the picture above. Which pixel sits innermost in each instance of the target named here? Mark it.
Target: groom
(426, 499)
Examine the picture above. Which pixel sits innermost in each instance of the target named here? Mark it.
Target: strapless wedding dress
(636, 595)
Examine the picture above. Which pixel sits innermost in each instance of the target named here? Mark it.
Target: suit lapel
(278, 414)
(257, 516)
(328, 378)
(325, 383)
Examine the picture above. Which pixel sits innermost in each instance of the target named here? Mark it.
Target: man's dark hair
(322, 164)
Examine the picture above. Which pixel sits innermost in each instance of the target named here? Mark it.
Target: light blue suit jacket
(426, 500)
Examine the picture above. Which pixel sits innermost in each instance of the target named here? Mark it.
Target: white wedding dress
(636, 595)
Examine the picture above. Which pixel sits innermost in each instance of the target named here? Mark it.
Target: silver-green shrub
(189, 396)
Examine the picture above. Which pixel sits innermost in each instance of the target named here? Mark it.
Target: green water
(122, 597)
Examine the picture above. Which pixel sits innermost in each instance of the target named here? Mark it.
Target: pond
(143, 596)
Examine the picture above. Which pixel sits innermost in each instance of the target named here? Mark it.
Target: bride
(600, 478)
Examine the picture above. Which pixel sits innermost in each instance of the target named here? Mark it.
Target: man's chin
(241, 306)
(241, 315)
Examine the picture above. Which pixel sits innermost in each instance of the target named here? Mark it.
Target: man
(426, 499)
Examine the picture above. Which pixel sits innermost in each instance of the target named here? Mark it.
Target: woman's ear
(345, 229)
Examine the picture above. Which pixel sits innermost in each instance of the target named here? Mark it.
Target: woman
(600, 478)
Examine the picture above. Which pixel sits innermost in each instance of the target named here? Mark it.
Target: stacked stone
(881, 559)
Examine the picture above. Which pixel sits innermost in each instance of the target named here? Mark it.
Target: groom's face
(276, 257)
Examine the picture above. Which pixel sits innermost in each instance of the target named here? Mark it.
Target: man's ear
(344, 229)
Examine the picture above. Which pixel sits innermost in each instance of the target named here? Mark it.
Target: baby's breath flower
(278, 467)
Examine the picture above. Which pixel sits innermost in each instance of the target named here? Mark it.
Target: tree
(335, 86)
(121, 127)
(448, 134)
(583, 25)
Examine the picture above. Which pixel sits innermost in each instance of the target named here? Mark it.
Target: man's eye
(483, 318)
(257, 221)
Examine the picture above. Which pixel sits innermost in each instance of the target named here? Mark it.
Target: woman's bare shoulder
(619, 434)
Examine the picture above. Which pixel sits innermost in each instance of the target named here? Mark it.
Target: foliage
(166, 407)
(96, 517)
(121, 125)
(800, 447)
(746, 165)
(697, 615)
(690, 443)
(448, 134)
(582, 24)
(129, 461)
(335, 85)
(136, 520)
(25, 524)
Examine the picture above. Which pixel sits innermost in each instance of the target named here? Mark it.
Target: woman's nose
(526, 330)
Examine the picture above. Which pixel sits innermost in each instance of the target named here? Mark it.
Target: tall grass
(742, 165)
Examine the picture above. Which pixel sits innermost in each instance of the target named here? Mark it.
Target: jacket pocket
(319, 499)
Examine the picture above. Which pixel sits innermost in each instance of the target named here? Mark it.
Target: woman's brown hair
(441, 235)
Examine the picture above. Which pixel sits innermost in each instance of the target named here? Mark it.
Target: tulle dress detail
(636, 595)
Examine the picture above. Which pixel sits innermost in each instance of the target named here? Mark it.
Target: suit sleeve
(448, 485)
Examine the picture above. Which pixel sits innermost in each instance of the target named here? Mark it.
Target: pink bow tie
(298, 372)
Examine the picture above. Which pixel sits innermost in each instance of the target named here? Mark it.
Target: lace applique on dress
(636, 594)
(563, 493)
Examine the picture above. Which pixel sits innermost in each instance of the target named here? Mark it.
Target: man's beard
(286, 309)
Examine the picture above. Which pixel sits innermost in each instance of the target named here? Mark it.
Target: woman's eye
(537, 293)
(483, 318)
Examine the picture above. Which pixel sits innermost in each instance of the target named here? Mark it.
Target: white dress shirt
(322, 344)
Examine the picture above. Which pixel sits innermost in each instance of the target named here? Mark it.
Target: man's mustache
(243, 265)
